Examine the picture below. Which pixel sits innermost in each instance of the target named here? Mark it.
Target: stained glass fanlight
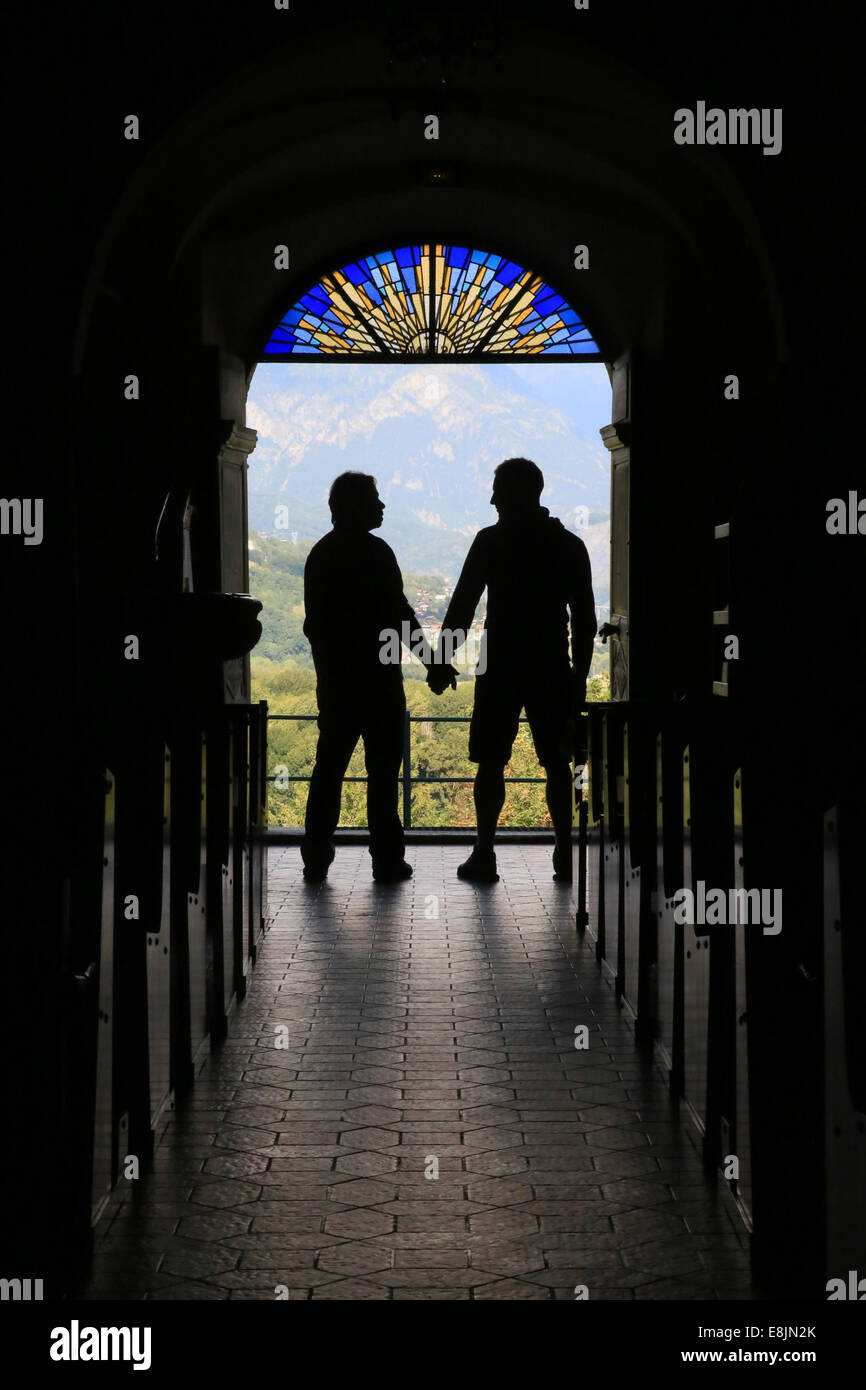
(431, 301)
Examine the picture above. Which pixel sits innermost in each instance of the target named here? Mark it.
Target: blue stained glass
(484, 303)
(509, 272)
(551, 303)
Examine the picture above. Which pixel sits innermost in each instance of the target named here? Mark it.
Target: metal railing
(406, 776)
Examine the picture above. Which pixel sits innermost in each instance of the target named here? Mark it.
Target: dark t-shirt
(534, 571)
(353, 590)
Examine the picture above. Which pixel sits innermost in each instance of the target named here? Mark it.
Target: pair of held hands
(440, 677)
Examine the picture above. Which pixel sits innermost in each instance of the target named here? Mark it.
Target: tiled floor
(431, 1030)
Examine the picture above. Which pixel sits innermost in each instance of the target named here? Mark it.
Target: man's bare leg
(489, 796)
(560, 796)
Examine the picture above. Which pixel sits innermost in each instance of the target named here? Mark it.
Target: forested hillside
(437, 750)
(283, 674)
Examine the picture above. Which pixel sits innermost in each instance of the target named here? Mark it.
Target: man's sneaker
(479, 868)
(562, 864)
(392, 873)
(316, 865)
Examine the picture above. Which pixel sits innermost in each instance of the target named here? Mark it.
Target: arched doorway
(435, 302)
(425, 365)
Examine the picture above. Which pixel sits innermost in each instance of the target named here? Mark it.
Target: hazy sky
(581, 390)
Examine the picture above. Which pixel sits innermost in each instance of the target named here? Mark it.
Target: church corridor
(400, 1111)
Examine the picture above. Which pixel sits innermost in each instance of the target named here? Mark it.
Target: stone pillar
(616, 437)
(234, 553)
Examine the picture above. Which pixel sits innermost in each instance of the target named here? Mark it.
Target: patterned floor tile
(430, 1132)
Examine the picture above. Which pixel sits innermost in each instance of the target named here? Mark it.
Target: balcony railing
(406, 775)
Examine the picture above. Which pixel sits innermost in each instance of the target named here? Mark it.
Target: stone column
(234, 553)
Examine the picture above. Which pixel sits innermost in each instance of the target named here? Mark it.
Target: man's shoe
(562, 865)
(392, 873)
(479, 868)
(315, 865)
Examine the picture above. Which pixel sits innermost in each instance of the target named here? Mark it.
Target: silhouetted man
(535, 573)
(353, 593)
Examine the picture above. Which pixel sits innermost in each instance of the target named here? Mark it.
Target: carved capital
(239, 445)
(617, 435)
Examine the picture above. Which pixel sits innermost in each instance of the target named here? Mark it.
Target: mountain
(432, 435)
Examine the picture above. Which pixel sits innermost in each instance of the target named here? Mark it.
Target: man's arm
(404, 612)
(465, 599)
(581, 604)
(438, 677)
(315, 603)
